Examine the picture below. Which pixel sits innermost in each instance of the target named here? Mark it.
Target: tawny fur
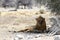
(41, 24)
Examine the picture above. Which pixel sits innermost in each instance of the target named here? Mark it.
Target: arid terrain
(11, 21)
(21, 15)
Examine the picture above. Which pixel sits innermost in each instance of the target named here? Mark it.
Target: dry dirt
(18, 20)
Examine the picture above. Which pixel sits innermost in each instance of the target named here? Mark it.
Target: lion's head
(40, 20)
(41, 24)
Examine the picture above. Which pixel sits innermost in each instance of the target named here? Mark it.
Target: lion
(40, 26)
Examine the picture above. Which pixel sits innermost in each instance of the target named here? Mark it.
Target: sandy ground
(17, 20)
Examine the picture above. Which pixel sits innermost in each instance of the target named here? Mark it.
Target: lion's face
(40, 20)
